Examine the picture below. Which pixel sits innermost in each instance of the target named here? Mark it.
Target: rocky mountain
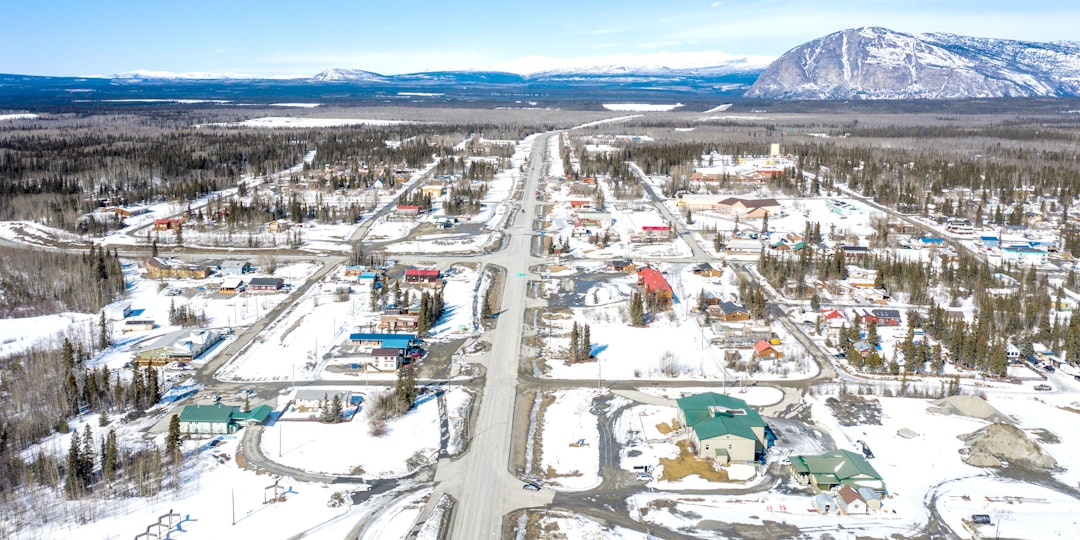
(877, 63)
(347, 75)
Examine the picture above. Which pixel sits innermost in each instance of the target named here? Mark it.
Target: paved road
(480, 480)
(699, 255)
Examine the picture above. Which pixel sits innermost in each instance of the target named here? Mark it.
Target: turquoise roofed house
(723, 428)
(385, 341)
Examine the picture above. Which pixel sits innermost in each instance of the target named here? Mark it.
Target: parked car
(1043, 387)
(980, 519)
(531, 487)
(644, 476)
(1049, 368)
(1077, 377)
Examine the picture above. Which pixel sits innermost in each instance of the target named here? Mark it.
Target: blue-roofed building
(384, 341)
(931, 241)
(990, 242)
(1024, 255)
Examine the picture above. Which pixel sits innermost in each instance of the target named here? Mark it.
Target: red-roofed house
(764, 349)
(421, 275)
(653, 280)
(407, 210)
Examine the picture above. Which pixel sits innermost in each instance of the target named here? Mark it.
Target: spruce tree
(73, 483)
(406, 388)
(86, 456)
(103, 333)
(575, 348)
(637, 310)
(110, 455)
(586, 343)
(153, 392)
(335, 408)
(172, 440)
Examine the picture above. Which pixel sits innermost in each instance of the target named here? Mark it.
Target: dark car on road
(531, 487)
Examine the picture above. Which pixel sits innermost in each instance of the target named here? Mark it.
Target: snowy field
(19, 116)
(296, 344)
(349, 449)
(567, 525)
(17, 335)
(570, 454)
(217, 496)
(291, 122)
(641, 107)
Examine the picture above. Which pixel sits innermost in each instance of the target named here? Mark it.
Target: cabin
(764, 349)
(169, 224)
(732, 312)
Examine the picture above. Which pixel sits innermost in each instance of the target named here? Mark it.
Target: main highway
(481, 481)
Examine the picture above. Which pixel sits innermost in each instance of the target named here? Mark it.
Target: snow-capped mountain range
(861, 63)
(877, 63)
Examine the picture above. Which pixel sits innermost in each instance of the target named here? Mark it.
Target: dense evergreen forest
(54, 174)
(37, 282)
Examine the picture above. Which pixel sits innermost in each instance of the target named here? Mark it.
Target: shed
(824, 503)
(232, 286)
(873, 501)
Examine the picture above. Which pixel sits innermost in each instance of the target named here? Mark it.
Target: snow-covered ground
(292, 122)
(570, 454)
(18, 116)
(642, 107)
(342, 448)
(17, 335)
(217, 496)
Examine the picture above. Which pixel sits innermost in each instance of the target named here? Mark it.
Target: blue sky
(288, 38)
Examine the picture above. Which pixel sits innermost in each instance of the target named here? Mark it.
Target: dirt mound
(973, 406)
(997, 443)
(855, 410)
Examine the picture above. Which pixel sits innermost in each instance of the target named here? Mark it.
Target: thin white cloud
(603, 31)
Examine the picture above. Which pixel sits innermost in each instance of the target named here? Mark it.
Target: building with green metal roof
(722, 428)
(837, 468)
(219, 419)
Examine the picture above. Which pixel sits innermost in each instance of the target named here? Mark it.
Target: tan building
(722, 428)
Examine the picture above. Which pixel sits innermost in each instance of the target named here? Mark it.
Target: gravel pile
(973, 406)
(998, 444)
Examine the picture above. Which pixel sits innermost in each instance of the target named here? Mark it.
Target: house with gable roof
(723, 428)
(831, 470)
